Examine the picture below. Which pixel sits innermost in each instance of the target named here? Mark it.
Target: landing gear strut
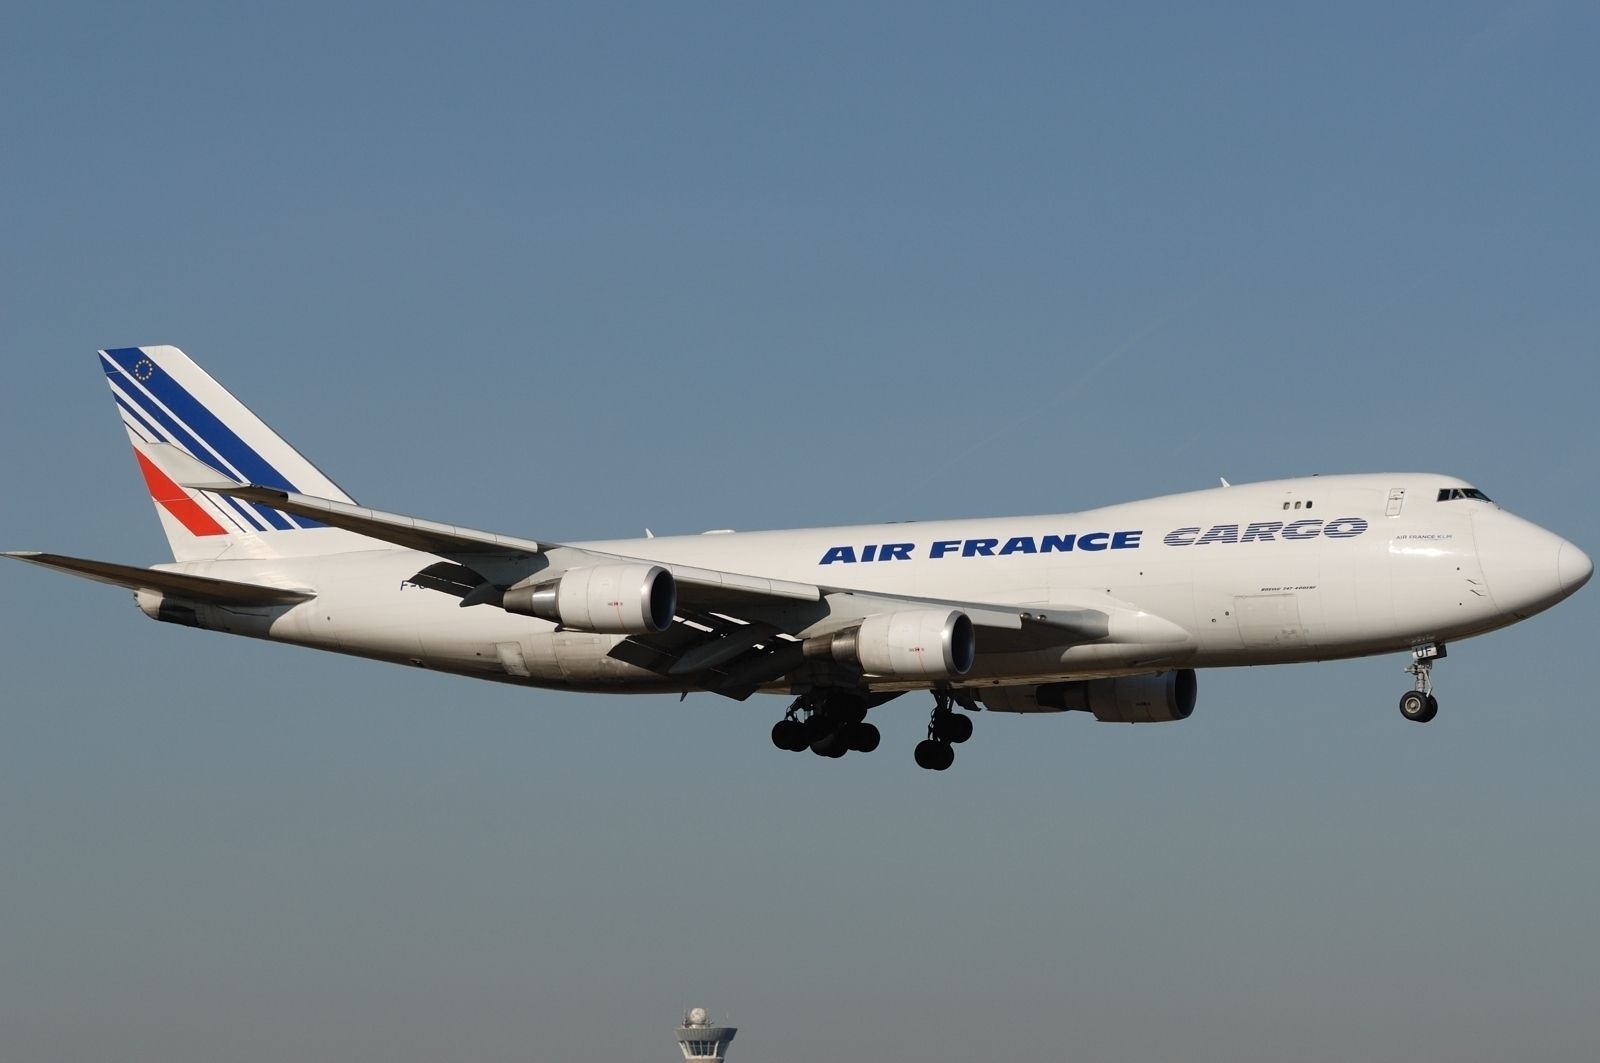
(946, 730)
(1418, 704)
(828, 721)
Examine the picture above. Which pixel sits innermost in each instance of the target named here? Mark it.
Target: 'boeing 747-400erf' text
(1107, 611)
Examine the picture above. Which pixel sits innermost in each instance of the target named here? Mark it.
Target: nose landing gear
(1418, 704)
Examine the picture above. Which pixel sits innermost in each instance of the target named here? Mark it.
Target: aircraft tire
(864, 737)
(834, 745)
(956, 728)
(1418, 707)
(934, 756)
(789, 736)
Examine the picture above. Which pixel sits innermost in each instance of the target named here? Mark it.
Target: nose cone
(1573, 567)
(1527, 568)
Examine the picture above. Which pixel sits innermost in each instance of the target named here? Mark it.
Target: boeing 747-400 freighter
(1107, 611)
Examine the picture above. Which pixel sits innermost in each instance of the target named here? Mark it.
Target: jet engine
(910, 644)
(1159, 698)
(634, 599)
(158, 606)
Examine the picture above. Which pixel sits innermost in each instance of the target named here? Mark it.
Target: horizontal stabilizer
(177, 584)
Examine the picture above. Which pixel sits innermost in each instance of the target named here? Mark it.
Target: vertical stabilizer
(164, 397)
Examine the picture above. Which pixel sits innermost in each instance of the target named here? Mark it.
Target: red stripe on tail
(176, 501)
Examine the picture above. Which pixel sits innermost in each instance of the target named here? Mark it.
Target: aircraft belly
(581, 659)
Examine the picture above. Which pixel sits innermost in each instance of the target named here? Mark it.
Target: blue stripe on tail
(251, 522)
(208, 433)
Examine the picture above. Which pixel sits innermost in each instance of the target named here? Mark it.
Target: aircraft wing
(701, 588)
(481, 550)
(446, 540)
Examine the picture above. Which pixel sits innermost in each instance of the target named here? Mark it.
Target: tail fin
(164, 397)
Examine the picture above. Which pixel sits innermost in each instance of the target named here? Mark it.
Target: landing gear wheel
(834, 745)
(1418, 707)
(864, 737)
(789, 735)
(945, 730)
(953, 727)
(935, 756)
(814, 729)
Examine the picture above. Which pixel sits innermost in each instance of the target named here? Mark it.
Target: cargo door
(1270, 621)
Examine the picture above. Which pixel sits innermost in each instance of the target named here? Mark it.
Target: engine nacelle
(910, 644)
(158, 606)
(608, 599)
(1160, 698)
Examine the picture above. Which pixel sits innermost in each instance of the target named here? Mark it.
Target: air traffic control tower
(702, 1041)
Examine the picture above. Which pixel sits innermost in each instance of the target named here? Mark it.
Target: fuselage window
(1453, 494)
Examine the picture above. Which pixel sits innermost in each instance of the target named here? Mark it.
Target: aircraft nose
(1573, 567)
(1528, 568)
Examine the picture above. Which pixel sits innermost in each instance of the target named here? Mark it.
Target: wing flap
(177, 584)
(707, 587)
(710, 588)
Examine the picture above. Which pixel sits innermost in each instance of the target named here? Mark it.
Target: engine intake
(910, 644)
(608, 599)
(1163, 697)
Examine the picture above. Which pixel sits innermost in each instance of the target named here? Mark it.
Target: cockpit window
(1453, 494)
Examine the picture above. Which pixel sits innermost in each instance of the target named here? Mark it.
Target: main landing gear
(946, 730)
(1418, 704)
(829, 722)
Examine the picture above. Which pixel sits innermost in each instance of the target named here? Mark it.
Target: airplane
(1107, 611)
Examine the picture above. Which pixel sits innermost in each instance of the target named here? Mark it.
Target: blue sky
(569, 271)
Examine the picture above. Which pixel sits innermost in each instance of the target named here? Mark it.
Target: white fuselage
(1292, 570)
